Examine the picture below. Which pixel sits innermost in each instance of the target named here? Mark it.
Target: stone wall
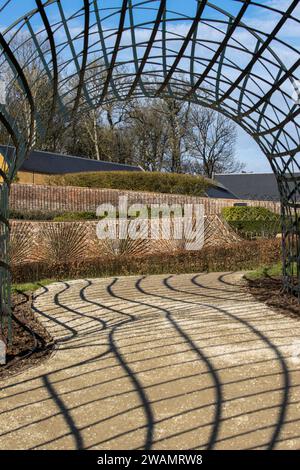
(27, 197)
(65, 241)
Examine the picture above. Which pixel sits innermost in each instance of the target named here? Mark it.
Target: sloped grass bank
(166, 183)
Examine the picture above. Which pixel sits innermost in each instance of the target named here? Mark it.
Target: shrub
(20, 245)
(62, 242)
(52, 216)
(252, 221)
(73, 216)
(246, 255)
(171, 183)
(34, 215)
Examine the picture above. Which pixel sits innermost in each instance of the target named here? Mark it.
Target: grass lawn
(274, 270)
(267, 271)
(31, 286)
(262, 272)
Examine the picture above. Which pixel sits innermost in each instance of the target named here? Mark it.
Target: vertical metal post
(5, 273)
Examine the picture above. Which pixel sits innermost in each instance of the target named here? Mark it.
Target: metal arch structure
(239, 57)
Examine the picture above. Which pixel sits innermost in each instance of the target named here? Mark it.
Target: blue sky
(247, 149)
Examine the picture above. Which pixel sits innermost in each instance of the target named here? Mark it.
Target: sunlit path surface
(158, 362)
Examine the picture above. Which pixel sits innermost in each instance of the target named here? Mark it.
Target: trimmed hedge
(252, 221)
(33, 215)
(41, 216)
(170, 183)
(46, 216)
(73, 216)
(246, 255)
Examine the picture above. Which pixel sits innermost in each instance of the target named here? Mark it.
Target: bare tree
(149, 131)
(176, 113)
(211, 140)
(48, 134)
(158, 134)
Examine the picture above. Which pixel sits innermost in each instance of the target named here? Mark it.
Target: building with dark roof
(219, 192)
(252, 186)
(39, 165)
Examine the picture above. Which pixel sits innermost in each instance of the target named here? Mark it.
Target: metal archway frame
(233, 61)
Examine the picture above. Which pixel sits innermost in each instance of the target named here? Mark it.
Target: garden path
(157, 362)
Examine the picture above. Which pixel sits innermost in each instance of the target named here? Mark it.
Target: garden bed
(240, 256)
(269, 290)
(31, 344)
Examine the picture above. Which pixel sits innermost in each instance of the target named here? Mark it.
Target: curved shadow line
(136, 383)
(65, 412)
(86, 300)
(136, 407)
(69, 420)
(218, 385)
(87, 361)
(32, 379)
(138, 386)
(54, 320)
(286, 385)
(110, 380)
(217, 288)
(76, 312)
(222, 280)
(216, 297)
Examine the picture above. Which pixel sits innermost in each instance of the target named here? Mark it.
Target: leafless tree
(159, 134)
(177, 116)
(149, 132)
(211, 140)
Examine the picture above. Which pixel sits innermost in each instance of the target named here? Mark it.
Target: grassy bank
(31, 286)
(273, 270)
(168, 183)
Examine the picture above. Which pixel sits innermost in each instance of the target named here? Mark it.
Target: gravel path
(157, 362)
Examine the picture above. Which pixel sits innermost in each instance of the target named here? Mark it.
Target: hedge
(52, 216)
(45, 216)
(246, 255)
(73, 216)
(33, 215)
(252, 221)
(171, 183)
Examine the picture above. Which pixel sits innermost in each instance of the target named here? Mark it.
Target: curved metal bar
(184, 46)
(176, 62)
(157, 23)
(261, 50)
(51, 39)
(220, 49)
(13, 61)
(5, 179)
(84, 56)
(288, 75)
(116, 50)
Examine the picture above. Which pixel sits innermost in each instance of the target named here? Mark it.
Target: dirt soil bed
(270, 291)
(31, 341)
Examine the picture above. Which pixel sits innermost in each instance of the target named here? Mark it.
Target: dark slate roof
(253, 186)
(57, 164)
(219, 192)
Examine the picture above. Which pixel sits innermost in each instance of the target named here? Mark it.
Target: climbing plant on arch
(239, 57)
